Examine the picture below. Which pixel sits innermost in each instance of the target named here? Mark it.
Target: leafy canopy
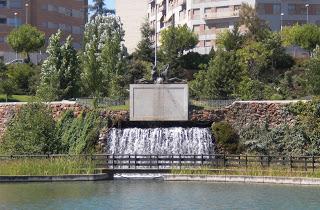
(26, 39)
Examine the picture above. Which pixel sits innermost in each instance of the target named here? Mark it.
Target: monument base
(159, 102)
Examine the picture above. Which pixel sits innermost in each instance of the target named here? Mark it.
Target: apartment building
(47, 15)
(132, 14)
(208, 18)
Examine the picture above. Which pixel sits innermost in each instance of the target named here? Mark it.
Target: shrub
(31, 131)
(79, 135)
(226, 137)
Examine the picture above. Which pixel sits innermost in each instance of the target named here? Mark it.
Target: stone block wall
(239, 114)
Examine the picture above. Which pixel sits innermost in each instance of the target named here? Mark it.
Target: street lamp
(16, 25)
(27, 7)
(307, 6)
(281, 20)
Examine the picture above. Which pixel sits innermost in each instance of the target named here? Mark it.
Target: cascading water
(160, 141)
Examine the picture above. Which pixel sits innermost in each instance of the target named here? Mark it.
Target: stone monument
(161, 99)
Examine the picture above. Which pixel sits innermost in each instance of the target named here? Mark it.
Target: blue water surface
(156, 195)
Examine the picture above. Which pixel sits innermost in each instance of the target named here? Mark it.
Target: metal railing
(114, 161)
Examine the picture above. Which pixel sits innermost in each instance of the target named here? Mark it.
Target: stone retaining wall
(239, 114)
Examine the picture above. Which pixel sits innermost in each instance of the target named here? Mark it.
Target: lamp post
(307, 6)
(27, 7)
(281, 20)
(16, 25)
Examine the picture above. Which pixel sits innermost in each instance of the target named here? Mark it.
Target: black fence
(305, 163)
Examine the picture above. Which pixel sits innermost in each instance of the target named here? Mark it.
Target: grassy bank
(46, 167)
(250, 171)
(16, 98)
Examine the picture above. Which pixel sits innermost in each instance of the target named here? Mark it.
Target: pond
(156, 195)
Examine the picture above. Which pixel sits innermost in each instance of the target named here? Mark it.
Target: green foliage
(22, 75)
(221, 79)
(283, 140)
(31, 131)
(226, 137)
(79, 135)
(258, 29)
(7, 86)
(174, 42)
(26, 39)
(194, 60)
(46, 166)
(145, 50)
(103, 59)
(230, 40)
(251, 89)
(306, 36)
(138, 69)
(313, 72)
(60, 72)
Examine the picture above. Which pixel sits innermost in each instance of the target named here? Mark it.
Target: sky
(109, 3)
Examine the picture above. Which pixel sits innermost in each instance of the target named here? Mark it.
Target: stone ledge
(62, 178)
(244, 179)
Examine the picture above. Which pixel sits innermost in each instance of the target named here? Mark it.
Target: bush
(79, 135)
(31, 131)
(226, 137)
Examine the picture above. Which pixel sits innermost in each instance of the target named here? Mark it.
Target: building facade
(48, 16)
(208, 18)
(132, 13)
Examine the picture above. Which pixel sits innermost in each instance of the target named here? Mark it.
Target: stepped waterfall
(160, 141)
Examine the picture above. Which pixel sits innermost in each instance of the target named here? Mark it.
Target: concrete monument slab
(159, 102)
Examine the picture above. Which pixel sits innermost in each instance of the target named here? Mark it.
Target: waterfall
(161, 141)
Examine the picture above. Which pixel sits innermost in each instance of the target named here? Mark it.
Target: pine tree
(145, 51)
(99, 8)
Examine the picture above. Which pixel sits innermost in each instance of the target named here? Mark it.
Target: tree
(230, 40)
(221, 79)
(31, 131)
(60, 72)
(99, 8)
(26, 39)
(257, 28)
(174, 42)
(254, 58)
(306, 36)
(7, 86)
(145, 50)
(313, 72)
(21, 75)
(103, 57)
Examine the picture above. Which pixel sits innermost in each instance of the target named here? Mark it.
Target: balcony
(214, 17)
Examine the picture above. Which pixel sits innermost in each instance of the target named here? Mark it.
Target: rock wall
(239, 114)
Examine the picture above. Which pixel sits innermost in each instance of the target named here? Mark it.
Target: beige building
(207, 18)
(48, 16)
(132, 14)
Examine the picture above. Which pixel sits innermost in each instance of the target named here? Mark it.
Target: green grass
(250, 171)
(46, 167)
(16, 98)
(118, 108)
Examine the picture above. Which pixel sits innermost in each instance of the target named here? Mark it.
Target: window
(3, 20)
(3, 3)
(276, 9)
(14, 22)
(16, 4)
(76, 45)
(207, 43)
(207, 10)
(52, 25)
(196, 13)
(196, 28)
(2, 39)
(76, 30)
